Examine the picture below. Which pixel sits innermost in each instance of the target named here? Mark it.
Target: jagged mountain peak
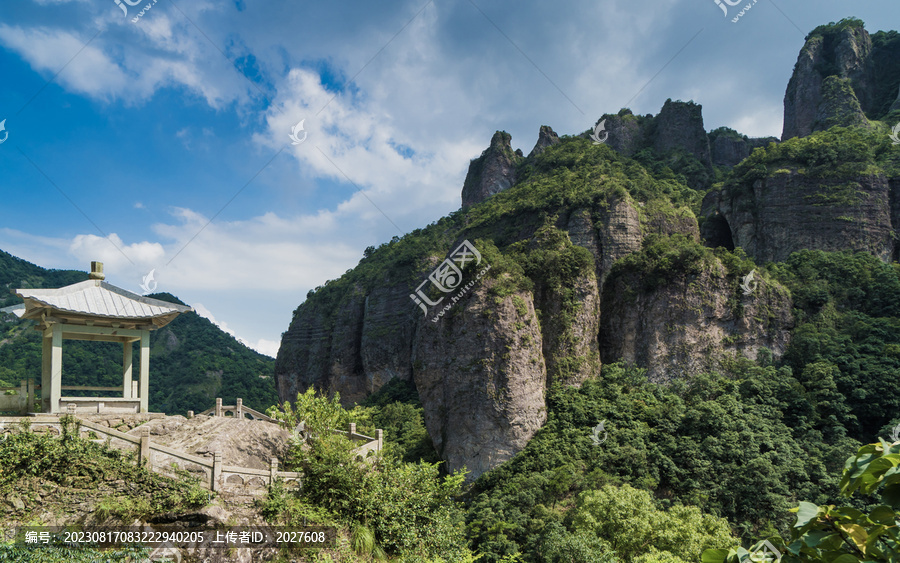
(843, 76)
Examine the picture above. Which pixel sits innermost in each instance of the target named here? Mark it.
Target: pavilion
(95, 310)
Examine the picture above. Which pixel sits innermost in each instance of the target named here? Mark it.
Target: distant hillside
(192, 361)
(17, 273)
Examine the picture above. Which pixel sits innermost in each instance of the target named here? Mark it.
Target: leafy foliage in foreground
(844, 534)
(26, 456)
(639, 532)
(60, 553)
(405, 510)
(397, 410)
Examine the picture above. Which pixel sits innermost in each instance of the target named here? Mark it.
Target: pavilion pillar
(145, 370)
(127, 365)
(55, 387)
(46, 372)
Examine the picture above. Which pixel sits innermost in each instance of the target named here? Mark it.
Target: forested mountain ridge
(636, 249)
(192, 361)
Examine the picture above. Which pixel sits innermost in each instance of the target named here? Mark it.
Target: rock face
(483, 369)
(627, 133)
(789, 211)
(316, 352)
(894, 184)
(691, 323)
(729, 150)
(896, 104)
(481, 379)
(242, 442)
(679, 125)
(546, 138)
(842, 78)
(835, 61)
(492, 172)
(839, 105)
(365, 344)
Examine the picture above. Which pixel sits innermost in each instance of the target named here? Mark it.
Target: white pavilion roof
(96, 298)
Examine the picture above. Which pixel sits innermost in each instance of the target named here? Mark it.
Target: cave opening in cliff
(718, 232)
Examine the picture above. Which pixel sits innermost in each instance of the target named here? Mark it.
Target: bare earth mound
(245, 443)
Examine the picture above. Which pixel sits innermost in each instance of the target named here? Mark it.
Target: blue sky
(163, 143)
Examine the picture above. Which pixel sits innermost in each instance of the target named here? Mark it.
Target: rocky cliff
(729, 148)
(790, 211)
(679, 126)
(482, 357)
(482, 378)
(794, 196)
(582, 254)
(843, 76)
(492, 172)
(628, 133)
(699, 317)
(546, 137)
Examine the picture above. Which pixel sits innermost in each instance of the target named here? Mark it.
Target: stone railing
(212, 473)
(19, 399)
(240, 411)
(102, 405)
(371, 444)
(237, 411)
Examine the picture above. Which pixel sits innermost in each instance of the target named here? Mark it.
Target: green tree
(844, 534)
(637, 531)
(401, 509)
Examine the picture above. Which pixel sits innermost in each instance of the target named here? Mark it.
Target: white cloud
(113, 251)
(255, 259)
(267, 347)
(131, 72)
(762, 119)
(201, 310)
(48, 252)
(265, 253)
